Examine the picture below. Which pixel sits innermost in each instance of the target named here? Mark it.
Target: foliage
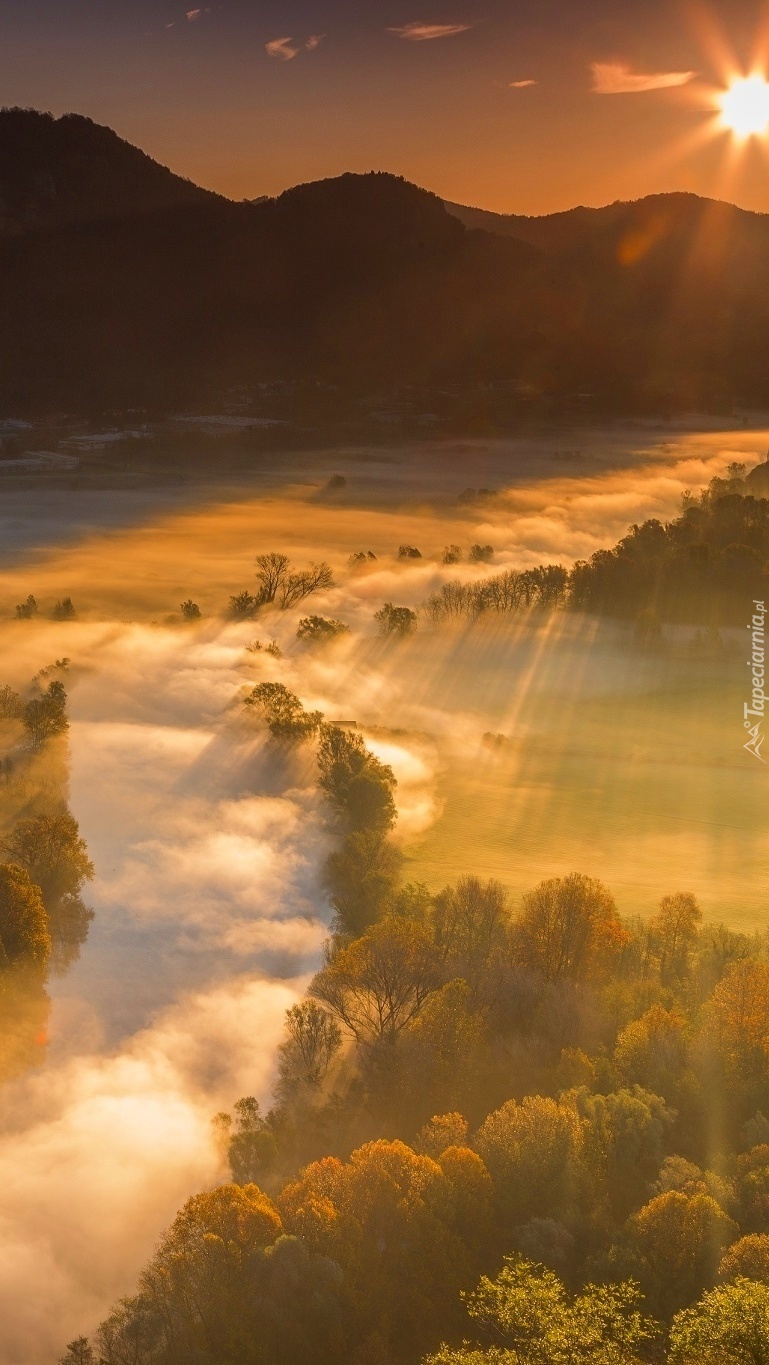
(729, 1326)
(25, 941)
(357, 785)
(319, 630)
(396, 620)
(570, 927)
(529, 1313)
(190, 610)
(283, 713)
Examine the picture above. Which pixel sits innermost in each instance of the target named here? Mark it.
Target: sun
(745, 106)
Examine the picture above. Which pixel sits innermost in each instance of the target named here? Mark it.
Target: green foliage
(536, 1322)
(357, 785)
(729, 1326)
(284, 714)
(697, 567)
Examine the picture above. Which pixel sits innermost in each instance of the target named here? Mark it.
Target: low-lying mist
(521, 748)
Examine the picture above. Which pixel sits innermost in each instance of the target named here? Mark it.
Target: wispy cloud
(193, 14)
(616, 78)
(314, 41)
(521, 85)
(424, 33)
(281, 48)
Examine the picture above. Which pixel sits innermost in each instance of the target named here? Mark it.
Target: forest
(500, 1134)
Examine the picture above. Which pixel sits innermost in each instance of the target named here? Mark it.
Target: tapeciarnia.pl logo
(755, 710)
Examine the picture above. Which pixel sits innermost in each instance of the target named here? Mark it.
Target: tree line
(44, 866)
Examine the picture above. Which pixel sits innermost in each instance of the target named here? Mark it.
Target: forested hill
(125, 285)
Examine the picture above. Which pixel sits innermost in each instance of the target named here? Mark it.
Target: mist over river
(523, 748)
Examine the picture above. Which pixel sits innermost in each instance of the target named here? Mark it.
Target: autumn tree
(532, 1150)
(389, 1218)
(569, 927)
(675, 929)
(747, 1259)
(676, 1243)
(24, 937)
(471, 923)
(651, 1051)
(50, 848)
(378, 983)
(191, 1296)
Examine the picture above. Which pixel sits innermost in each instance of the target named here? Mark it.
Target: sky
(525, 106)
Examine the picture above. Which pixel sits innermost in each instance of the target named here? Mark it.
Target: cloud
(423, 33)
(314, 41)
(521, 85)
(282, 49)
(193, 14)
(616, 78)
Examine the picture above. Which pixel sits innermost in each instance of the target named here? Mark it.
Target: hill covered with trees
(126, 285)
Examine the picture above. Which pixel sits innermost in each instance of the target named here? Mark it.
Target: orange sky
(515, 105)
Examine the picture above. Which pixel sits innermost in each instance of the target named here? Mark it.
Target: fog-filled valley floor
(524, 747)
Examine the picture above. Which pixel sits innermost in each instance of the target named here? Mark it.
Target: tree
(378, 983)
(26, 610)
(24, 937)
(738, 1013)
(527, 1310)
(191, 1296)
(651, 1051)
(314, 1039)
(50, 848)
(389, 1218)
(361, 877)
(243, 605)
(471, 923)
(64, 610)
(409, 552)
(284, 714)
(452, 554)
(675, 929)
(190, 610)
(278, 585)
(249, 1141)
(569, 927)
(442, 1131)
(532, 1151)
(396, 620)
(46, 717)
(358, 786)
(320, 630)
(11, 704)
(481, 554)
(79, 1353)
(747, 1259)
(729, 1326)
(676, 1242)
